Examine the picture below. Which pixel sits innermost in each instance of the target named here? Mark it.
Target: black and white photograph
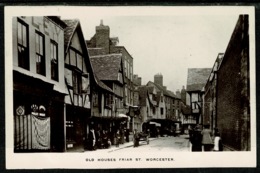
(92, 87)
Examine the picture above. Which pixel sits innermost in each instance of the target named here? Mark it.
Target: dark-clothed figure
(122, 136)
(207, 138)
(92, 139)
(136, 138)
(98, 139)
(118, 137)
(127, 135)
(196, 139)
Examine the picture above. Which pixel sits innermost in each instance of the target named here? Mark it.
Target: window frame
(23, 62)
(54, 62)
(41, 54)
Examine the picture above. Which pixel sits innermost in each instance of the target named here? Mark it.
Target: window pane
(72, 58)
(37, 43)
(24, 30)
(75, 83)
(84, 67)
(52, 52)
(19, 34)
(55, 51)
(41, 44)
(79, 61)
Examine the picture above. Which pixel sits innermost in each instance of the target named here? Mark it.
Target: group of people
(101, 139)
(204, 140)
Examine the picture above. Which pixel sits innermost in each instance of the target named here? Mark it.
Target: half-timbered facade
(78, 76)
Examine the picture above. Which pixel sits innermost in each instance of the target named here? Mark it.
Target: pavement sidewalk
(126, 145)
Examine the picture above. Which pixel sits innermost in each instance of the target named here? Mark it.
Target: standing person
(127, 135)
(136, 138)
(98, 138)
(196, 139)
(206, 138)
(117, 138)
(122, 134)
(92, 139)
(217, 142)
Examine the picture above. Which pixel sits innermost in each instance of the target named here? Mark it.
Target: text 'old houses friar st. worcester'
(72, 94)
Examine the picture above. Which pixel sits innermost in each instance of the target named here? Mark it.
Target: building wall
(127, 60)
(78, 99)
(50, 31)
(38, 95)
(233, 115)
(158, 79)
(162, 105)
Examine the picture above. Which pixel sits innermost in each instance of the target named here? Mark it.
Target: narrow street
(161, 144)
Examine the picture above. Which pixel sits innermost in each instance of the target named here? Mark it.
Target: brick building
(209, 113)
(233, 94)
(100, 44)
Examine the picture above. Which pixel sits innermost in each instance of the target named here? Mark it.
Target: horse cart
(141, 136)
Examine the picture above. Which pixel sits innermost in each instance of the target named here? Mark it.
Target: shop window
(69, 129)
(22, 45)
(54, 61)
(40, 59)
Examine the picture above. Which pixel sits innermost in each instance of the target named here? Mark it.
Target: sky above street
(166, 41)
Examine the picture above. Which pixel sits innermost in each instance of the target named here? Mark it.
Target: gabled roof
(119, 49)
(106, 67)
(197, 78)
(69, 31)
(185, 109)
(102, 85)
(162, 89)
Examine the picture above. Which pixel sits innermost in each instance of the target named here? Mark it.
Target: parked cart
(141, 136)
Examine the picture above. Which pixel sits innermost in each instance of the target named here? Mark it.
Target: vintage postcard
(130, 87)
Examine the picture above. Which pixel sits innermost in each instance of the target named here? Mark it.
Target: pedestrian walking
(207, 138)
(196, 139)
(218, 146)
(92, 139)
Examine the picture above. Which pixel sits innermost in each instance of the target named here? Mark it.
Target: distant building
(109, 70)
(100, 44)
(197, 78)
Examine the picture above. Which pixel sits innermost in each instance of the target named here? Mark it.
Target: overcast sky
(166, 44)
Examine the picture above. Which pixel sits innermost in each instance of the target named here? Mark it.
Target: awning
(156, 124)
(122, 115)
